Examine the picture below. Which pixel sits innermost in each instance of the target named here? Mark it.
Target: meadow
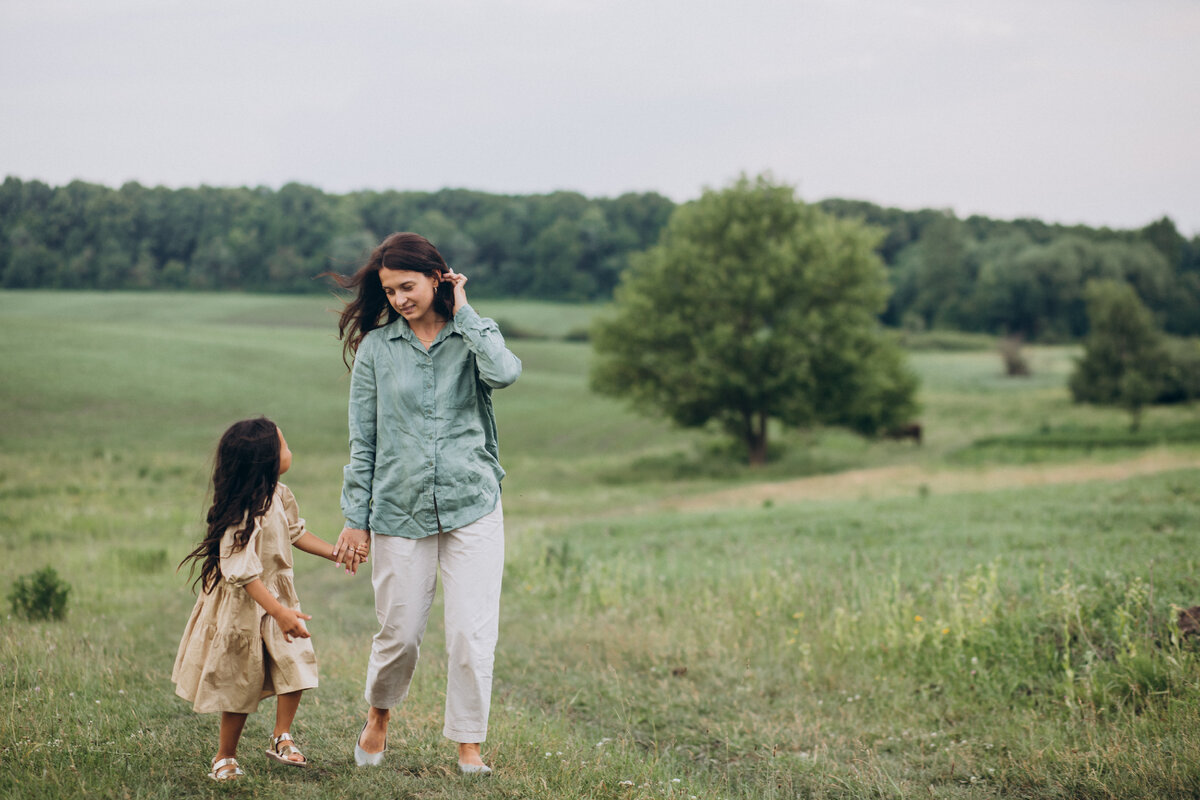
(990, 614)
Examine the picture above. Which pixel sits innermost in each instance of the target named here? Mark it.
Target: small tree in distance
(1124, 359)
(753, 306)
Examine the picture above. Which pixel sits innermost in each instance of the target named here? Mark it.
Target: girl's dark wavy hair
(245, 474)
(369, 308)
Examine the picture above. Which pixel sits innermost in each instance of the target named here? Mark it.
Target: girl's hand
(352, 548)
(459, 281)
(291, 622)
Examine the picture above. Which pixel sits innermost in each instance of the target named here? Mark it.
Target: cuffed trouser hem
(386, 705)
(465, 737)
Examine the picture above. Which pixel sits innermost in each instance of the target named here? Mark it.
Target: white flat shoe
(474, 769)
(364, 759)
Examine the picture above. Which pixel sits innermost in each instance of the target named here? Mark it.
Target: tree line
(1024, 278)
(560, 246)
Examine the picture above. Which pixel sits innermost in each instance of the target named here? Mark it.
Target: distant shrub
(40, 595)
(1181, 383)
(578, 335)
(511, 330)
(1015, 364)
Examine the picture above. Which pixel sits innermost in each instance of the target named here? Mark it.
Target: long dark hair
(244, 477)
(369, 308)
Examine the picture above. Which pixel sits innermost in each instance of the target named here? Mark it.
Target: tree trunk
(756, 439)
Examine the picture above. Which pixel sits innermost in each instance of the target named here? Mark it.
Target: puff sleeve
(291, 510)
(239, 567)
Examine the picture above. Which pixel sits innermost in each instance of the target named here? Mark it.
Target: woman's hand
(291, 622)
(352, 548)
(459, 281)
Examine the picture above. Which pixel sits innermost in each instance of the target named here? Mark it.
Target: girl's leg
(231, 733)
(472, 564)
(286, 706)
(404, 574)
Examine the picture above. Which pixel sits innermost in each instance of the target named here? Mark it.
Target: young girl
(246, 638)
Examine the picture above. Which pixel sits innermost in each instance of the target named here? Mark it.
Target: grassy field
(987, 615)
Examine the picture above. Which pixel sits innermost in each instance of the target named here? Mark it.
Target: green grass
(1012, 643)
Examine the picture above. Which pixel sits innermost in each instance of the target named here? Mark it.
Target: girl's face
(285, 455)
(410, 293)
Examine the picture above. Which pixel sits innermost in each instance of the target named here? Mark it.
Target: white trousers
(404, 574)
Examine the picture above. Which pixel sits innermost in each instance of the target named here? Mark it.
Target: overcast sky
(1068, 110)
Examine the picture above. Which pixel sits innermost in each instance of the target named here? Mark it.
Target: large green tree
(755, 306)
(1124, 361)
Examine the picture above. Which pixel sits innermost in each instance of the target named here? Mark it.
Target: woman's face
(410, 293)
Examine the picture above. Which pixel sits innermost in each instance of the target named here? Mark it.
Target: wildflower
(945, 631)
(675, 780)
(918, 618)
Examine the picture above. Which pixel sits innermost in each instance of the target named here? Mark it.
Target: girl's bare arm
(290, 621)
(311, 543)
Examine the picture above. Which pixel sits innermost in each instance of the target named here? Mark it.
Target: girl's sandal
(284, 754)
(225, 770)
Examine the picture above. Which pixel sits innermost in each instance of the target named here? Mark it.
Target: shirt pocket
(458, 388)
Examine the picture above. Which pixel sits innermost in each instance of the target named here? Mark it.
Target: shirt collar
(398, 329)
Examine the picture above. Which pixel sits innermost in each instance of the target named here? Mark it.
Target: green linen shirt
(423, 446)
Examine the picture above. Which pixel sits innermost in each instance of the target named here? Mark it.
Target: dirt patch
(880, 482)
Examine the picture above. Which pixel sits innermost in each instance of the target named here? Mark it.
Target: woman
(423, 482)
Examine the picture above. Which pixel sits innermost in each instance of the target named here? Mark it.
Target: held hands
(459, 281)
(352, 548)
(291, 622)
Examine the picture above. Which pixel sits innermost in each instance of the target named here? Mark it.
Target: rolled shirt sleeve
(498, 366)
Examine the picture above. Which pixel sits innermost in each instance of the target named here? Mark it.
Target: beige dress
(233, 654)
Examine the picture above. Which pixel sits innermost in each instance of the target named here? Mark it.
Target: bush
(1181, 383)
(1015, 365)
(40, 595)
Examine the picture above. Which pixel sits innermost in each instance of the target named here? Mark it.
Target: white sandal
(289, 749)
(225, 770)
